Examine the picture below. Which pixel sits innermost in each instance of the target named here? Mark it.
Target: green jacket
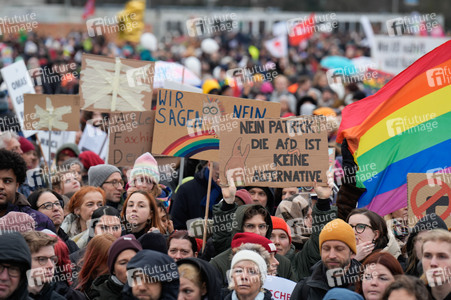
(234, 216)
(310, 255)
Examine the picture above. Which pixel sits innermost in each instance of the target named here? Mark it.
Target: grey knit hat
(97, 175)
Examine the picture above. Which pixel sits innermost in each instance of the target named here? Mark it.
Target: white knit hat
(254, 257)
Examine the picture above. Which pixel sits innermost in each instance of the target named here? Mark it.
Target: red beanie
(253, 238)
(25, 145)
(279, 223)
(244, 195)
(90, 159)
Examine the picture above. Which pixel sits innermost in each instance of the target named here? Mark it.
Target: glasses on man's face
(260, 227)
(13, 271)
(116, 183)
(360, 228)
(49, 205)
(42, 260)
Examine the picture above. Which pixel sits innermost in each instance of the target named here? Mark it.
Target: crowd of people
(91, 230)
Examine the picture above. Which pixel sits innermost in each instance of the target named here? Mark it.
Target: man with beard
(336, 268)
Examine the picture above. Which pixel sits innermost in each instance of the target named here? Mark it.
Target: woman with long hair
(141, 214)
(94, 261)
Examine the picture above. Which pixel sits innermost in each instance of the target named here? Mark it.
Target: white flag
(277, 46)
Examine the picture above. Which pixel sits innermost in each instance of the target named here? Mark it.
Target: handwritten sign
(18, 81)
(189, 124)
(114, 84)
(429, 193)
(61, 112)
(276, 152)
(130, 136)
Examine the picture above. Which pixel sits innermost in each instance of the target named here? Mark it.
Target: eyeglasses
(360, 228)
(42, 260)
(49, 205)
(116, 183)
(13, 271)
(260, 227)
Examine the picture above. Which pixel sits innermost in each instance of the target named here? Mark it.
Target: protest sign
(95, 140)
(394, 55)
(173, 85)
(189, 124)
(275, 152)
(114, 84)
(18, 81)
(59, 138)
(280, 288)
(130, 136)
(429, 193)
(60, 112)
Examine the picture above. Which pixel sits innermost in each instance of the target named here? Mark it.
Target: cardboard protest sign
(18, 81)
(130, 136)
(60, 112)
(189, 124)
(95, 140)
(275, 152)
(114, 84)
(429, 193)
(280, 288)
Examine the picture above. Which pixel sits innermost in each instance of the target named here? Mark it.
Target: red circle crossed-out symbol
(418, 211)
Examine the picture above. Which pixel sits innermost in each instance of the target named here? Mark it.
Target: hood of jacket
(160, 267)
(211, 275)
(239, 216)
(269, 194)
(428, 222)
(14, 249)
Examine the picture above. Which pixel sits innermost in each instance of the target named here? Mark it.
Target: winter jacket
(106, 287)
(47, 293)
(320, 282)
(14, 250)
(211, 275)
(309, 255)
(223, 260)
(266, 295)
(69, 243)
(21, 204)
(156, 265)
(186, 203)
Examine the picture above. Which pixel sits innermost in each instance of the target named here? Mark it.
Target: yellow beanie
(338, 230)
(209, 85)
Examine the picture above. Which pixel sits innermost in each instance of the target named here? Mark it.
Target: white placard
(95, 140)
(58, 138)
(18, 81)
(395, 54)
(280, 288)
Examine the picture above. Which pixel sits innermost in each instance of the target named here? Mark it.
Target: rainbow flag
(404, 128)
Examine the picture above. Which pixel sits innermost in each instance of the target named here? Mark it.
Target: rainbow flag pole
(404, 128)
